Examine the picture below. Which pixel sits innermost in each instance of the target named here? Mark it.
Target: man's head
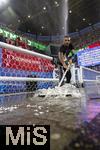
(17, 39)
(66, 40)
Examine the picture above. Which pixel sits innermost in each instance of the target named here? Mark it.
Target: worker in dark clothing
(64, 59)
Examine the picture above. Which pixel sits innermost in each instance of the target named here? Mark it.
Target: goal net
(23, 70)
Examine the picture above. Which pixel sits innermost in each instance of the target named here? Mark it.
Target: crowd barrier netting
(22, 70)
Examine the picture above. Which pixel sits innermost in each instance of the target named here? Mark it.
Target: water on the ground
(63, 114)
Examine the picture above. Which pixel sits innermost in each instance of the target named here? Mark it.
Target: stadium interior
(31, 33)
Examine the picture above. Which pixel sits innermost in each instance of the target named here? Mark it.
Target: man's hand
(65, 66)
(70, 61)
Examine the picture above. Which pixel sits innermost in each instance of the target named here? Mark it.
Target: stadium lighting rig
(3, 2)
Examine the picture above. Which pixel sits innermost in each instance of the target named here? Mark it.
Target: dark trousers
(68, 74)
(31, 86)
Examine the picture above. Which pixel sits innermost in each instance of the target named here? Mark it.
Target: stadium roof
(48, 17)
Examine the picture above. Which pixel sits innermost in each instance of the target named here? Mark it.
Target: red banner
(20, 61)
(94, 44)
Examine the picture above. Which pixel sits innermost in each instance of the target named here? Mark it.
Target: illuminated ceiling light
(29, 16)
(90, 24)
(63, 28)
(3, 2)
(70, 11)
(44, 8)
(18, 20)
(84, 19)
(77, 30)
(42, 27)
(28, 30)
(56, 3)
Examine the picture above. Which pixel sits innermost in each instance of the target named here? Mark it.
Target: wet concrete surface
(64, 115)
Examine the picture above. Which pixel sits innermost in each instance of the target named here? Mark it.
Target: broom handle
(63, 77)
